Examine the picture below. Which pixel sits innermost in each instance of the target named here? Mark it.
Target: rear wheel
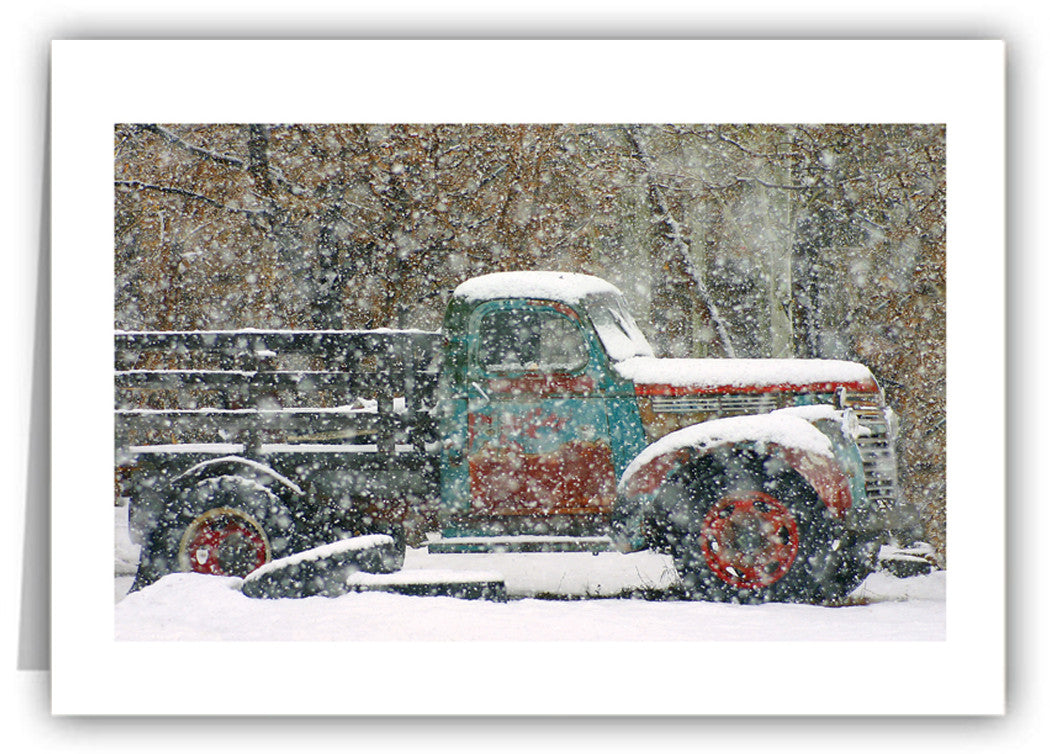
(227, 525)
(225, 542)
(749, 529)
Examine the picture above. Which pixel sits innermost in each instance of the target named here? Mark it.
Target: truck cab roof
(601, 302)
(569, 287)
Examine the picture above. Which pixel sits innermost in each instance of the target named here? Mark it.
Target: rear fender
(157, 486)
(236, 465)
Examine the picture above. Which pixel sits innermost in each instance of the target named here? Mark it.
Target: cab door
(537, 430)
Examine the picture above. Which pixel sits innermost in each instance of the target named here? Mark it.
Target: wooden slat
(344, 348)
(244, 395)
(250, 386)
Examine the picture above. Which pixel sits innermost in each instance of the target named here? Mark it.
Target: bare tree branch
(183, 144)
(678, 242)
(189, 195)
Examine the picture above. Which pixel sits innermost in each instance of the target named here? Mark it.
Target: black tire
(224, 525)
(386, 559)
(389, 558)
(747, 528)
(319, 571)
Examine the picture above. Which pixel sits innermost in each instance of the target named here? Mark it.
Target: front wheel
(749, 540)
(754, 532)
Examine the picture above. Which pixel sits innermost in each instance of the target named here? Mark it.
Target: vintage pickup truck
(537, 419)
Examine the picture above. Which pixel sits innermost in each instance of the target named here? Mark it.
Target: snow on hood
(712, 373)
(557, 286)
(785, 428)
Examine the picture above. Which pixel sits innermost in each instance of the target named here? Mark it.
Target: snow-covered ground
(197, 607)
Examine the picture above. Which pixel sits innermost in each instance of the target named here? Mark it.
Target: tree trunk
(676, 279)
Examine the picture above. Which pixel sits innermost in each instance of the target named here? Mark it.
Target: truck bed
(346, 413)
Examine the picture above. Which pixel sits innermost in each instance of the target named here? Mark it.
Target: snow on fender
(787, 433)
(807, 449)
(320, 570)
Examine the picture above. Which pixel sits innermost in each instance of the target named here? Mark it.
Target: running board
(519, 543)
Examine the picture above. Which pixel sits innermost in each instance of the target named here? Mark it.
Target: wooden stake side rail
(257, 387)
(342, 350)
(219, 389)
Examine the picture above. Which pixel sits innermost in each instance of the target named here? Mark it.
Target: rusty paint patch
(577, 477)
(543, 385)
(557, 306)
(825, 476)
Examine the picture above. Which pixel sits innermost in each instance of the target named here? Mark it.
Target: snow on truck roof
(557, 286)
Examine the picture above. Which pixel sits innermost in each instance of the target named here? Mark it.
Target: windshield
(615, 327)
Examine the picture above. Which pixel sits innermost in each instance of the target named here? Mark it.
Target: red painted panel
(816, 387)
(577, 477)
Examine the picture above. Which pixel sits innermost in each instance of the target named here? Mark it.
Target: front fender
(784, 437)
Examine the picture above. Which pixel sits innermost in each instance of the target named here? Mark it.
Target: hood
(656, 376)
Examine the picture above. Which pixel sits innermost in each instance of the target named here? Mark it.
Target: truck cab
(537, 424)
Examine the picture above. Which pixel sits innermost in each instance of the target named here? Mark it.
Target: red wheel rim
(749, 540)
(223, 542)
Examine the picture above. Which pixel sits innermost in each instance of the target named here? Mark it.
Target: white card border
(97, 84)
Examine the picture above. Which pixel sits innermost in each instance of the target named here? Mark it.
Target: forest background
(728, 240)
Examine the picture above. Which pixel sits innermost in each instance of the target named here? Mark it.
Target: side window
(529, 340)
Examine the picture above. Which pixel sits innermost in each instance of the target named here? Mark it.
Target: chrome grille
(878, 457)
(722, 405)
